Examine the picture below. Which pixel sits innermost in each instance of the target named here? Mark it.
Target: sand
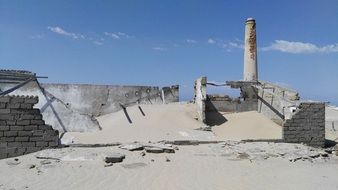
(247, 125)
(200, 167)
(175, 122)
(227, 165)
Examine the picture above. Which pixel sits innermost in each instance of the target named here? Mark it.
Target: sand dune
(175, 122)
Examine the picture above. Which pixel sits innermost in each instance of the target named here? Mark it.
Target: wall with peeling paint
(73, 107)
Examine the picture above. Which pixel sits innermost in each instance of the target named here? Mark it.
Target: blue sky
(148, 42)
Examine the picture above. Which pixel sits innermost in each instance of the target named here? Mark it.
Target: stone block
(6, 139)
(10, 133)
(32, 100)
(45, 127)
(38, 116)
(35, 139)
(13, 105)
(4, 99)
(6, 117)
(14, 144)
(34, 111)
(23, 122)
(16, 128)
(30, 127)
(37, 122)
(38, 133)
(27, 116)
(21, 139)
(2, 105)
(17, 99)
(3, 144)
(25, 133)
(4, 128)
(5, 111)
(41, 144)
(28, 144)
(11, 122)
(26, 106)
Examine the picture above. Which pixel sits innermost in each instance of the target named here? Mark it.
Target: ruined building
(302, 121)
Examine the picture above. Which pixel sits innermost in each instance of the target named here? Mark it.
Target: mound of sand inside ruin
(176, 121)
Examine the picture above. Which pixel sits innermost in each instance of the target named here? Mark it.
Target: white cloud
(300, 47)
(118, 35)
(61, 31)
(159, 48)
(229, 46)
(36, 36)
(189, 41)
(235, 45)
(99, 43)
(121, 34)
(211, 41)
(112, 35)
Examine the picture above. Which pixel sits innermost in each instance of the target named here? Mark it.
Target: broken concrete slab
(132, 147)
(154, 150)
(114, 157)
(159, 148)
(13, 162)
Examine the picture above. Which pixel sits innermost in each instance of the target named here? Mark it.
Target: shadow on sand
(213, 117)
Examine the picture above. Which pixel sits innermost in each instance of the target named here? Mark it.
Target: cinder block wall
(22, 129)
(307, 125)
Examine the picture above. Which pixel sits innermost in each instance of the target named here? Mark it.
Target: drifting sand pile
(175, 122)
(247, 125)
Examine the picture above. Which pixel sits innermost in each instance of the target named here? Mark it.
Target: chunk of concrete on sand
(132, 146)
(114, 157)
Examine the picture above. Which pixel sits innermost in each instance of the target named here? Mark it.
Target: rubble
(149, 147)
(13, 162)
(256, 151)
(114, 158)
(132, 147)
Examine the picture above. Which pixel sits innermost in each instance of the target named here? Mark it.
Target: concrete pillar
(250, 51)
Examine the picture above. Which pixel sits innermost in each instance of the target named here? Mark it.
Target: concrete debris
(108, 164)
(13, 162)
(256, 151)
(114, 158)
(204, 128)
(154, 150)
(45, 162)
(132, 147)
(159, 148)
(149, 147)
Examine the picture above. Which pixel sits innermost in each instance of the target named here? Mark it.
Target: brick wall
(307, 125)
(22, 129)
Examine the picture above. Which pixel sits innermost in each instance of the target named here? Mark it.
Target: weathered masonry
(307, 125)
(302, 122)
(73, 107)
(22, 128)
